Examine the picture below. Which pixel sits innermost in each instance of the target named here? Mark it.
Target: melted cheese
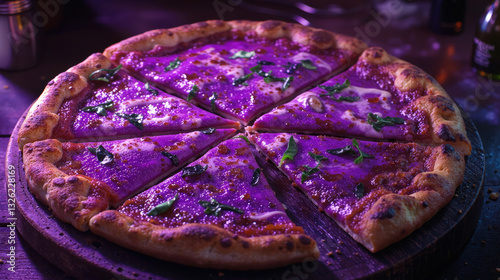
(266, 215)
(362, 124)
(167, 101)
(272, 89)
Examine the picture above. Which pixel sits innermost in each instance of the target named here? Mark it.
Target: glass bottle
(486, 45)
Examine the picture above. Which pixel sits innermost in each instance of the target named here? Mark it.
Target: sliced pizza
(78, 180)
(95, 101)
(377, 192)
(237, 69)
(380, 97)
(218, 212)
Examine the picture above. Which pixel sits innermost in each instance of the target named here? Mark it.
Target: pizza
(138, 143)
(380, 97)
(378, 192)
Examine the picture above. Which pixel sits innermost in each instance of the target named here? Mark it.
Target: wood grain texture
(4, 213)
(84, 255)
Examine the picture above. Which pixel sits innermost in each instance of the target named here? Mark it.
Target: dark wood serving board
(87, 256)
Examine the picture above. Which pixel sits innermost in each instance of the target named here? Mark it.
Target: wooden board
(87, 256)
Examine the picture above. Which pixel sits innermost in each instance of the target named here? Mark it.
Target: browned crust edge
(394, 216)
(203, 245)
(448, 126)
(42, 117)
(73, 199)
(271, 29)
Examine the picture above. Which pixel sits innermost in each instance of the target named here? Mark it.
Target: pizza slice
(377, 192)
(78, 180)
(219, 212)
(380, 97)
(96, 101)
(237, 69)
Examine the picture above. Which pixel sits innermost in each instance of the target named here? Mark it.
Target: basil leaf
(291, 67)
(264, 62)
(173, 64)
(243, 137)
(345, 150)
(309, 171)
(103, 156)
(161, 208)
(306, 63)
(316, 157)
(287, 83)
(255, 177)
(214, 208)
(135, 119)
(100, 109)
(242, 80)
(192, 92)
(172, 157)
(109, 73)
(359, 192)
(290, 152)
(212, 101)
(193, 170)
(152, 90)
(243, 54)
(209, 131)
(377, 122)
(335, 88)
(362, 154)
(346, 98)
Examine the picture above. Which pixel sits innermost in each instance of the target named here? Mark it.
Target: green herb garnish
(172, 157)
(135, 119)
(243, 137)
(242, 80)
(102, 154)
(264, 62)
(243, 54)
(345, 98)
(255, 177)
(212, 101)
(335, 88)
(359, 191)
(193, 170)
(350, 151)
(109, 73)
(208, 131)
(214, 208)
(377, 122)
(152, 90)
(290, 152)
(311, 170)
(161, 208)
(192, 92)
(173, 64)
(100, 109)
(268, 78)
(362, 154)
(306, 63)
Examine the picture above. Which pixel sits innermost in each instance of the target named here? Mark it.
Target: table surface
(77, 28)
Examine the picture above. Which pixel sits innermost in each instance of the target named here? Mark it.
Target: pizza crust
(203, 245)
(42, 118)
(394, 216)
(270, 29)
(73, 198)
(447, 123)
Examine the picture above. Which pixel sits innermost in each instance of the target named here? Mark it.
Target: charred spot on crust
(305, 240)
(109, 216)
(321, 37)
(167, 236)
(442, 102)
(68, 77)
(226, 242)
(73, 180)
(445, 133)
(245, 244)
(385, 214)
(377, 52)
(270, 24)
(58, 181)
(200, 232)
(449, 151)
(289, 245)
(413, 72)
(425, 204)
